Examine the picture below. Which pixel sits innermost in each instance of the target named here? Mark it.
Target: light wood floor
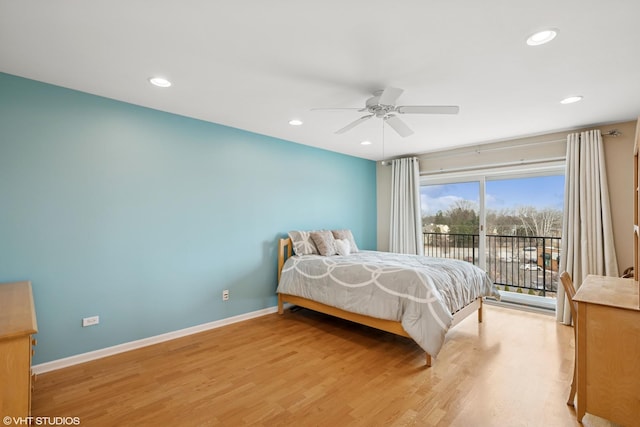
(303, 368)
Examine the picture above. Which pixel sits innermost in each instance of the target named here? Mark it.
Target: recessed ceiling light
(295, 122)
(365, 143)
(542, 37)
(159, 81)
(571, 99)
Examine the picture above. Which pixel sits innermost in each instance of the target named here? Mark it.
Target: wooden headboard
(285, 250)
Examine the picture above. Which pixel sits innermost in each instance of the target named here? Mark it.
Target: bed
(408, 295)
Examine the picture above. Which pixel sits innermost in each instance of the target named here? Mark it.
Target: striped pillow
(302, 243)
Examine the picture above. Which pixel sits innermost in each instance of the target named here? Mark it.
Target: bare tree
(545, 222)
(503, 222)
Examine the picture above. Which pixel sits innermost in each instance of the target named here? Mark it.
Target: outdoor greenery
(463, 218)
(522, 243)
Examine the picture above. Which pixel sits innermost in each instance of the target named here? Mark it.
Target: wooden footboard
(394, 327)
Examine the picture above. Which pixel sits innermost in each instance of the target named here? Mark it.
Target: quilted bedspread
(420, 292)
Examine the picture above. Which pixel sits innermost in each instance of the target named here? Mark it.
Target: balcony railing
(524, 264)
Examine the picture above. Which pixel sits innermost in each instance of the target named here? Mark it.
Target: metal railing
(524, 264)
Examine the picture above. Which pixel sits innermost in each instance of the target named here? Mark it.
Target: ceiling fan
(383, 105)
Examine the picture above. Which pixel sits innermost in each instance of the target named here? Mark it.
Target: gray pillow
(324, 242)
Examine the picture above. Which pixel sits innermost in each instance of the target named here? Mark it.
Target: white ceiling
(256, 64)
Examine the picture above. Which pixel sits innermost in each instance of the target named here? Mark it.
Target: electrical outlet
(90, 321)
(225, 295)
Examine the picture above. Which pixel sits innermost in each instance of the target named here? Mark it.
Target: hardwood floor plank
(305, 368)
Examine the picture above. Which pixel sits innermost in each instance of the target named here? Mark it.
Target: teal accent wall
(143, 217)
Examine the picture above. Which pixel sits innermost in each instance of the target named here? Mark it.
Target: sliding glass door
(524, 226)
(509, 224)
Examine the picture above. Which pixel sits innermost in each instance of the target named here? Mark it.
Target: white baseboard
(132, 345)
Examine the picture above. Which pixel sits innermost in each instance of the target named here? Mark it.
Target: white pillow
(346, 234)
(343, 247)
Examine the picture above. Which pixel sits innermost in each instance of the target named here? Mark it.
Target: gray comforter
(421, 292)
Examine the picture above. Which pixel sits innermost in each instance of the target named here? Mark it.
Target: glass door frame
(481, 176)
(481, 211)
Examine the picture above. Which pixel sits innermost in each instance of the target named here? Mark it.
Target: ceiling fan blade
(337, 109)
(428, 109)
(354, 124)
(399, 126)
(390, 95)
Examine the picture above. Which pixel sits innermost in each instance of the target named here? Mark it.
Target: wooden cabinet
(608, 349)
(17, 325)
(636, 203)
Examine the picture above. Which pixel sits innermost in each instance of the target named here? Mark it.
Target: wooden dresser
(17, 324)
(608, 349)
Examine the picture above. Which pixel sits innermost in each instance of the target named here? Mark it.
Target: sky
(540, 192)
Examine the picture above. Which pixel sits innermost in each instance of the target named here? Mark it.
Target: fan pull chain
(383, 119)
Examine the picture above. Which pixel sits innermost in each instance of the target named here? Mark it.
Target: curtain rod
(494, 165)
(613, 133)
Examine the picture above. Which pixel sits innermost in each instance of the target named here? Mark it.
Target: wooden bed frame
(285, 251)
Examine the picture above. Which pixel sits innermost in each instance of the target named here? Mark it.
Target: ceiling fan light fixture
(159, 81)
(542, 37)
(295, 122)
(571, 99)
(382, 105)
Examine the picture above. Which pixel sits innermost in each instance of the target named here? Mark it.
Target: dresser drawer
(17, 325)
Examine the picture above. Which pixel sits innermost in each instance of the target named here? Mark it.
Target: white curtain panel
(405, 235)
(587, 233)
